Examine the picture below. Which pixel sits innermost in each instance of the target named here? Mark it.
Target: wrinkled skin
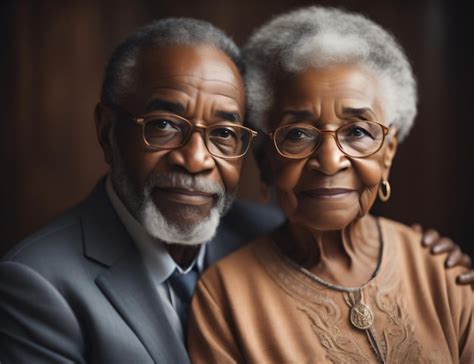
(199, 83)
(327, 99)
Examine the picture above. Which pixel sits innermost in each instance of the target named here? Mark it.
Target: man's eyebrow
(164, 105)
(299, 114)
(230, 116)
(356, 111)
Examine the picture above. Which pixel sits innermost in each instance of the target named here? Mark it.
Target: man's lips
(327, 193)
(184, 196)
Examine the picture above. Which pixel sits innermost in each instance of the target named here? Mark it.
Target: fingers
(443, 245)
(466, 261)
(454, 258)
(458, 258)
(417, 227)
(429, 237)
(466, 278)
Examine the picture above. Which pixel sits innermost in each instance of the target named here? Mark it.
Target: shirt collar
(157, 260)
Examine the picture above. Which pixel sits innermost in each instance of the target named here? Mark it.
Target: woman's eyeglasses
(356, 139)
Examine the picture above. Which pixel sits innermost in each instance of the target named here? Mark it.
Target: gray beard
(143, 208)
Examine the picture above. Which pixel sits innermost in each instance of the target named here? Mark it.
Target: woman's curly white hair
(320, 37)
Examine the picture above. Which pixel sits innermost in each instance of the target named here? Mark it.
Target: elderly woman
(335, 94)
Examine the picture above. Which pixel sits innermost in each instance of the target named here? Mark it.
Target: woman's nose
(328, 158)
(193, 156)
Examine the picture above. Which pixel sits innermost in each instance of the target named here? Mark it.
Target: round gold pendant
(361, 316)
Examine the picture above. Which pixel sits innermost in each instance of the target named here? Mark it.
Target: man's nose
(193, 156)
(328, 158)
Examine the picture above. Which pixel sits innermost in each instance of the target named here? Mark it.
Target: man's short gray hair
(320, 37)
(161, 33)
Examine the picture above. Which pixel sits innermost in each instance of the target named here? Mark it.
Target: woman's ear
(390, 151)
(104, 117)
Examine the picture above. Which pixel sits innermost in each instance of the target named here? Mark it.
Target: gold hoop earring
(384, 190)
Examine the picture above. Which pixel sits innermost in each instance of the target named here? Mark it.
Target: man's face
(178, 195)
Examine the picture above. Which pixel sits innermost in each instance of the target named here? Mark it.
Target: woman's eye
(358, 132)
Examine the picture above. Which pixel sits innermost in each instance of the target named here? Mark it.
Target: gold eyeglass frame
(272, 134)
(201, 129)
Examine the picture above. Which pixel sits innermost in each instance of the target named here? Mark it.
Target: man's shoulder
(52, 245)
(57, 241)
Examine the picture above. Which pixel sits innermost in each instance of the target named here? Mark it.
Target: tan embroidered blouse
(255, 307)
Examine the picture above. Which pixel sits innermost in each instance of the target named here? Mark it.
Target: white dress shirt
(158, 262)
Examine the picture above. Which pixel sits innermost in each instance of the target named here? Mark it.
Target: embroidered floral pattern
(328, 314)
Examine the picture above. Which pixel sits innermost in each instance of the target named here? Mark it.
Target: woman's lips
(184, 196)
(328, 193)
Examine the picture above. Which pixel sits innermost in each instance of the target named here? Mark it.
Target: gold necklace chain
(361, 315)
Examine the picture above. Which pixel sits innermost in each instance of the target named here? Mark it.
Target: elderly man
(110, 280)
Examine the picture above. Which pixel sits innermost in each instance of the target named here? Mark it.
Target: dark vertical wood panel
(51, 72)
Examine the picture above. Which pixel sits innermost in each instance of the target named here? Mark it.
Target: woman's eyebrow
(165, 105)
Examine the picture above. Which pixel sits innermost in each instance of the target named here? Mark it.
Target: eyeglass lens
(168, 131)
(357, 139)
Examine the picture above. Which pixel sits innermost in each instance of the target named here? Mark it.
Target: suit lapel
(105, 237)
(125, 283)
(128, 288)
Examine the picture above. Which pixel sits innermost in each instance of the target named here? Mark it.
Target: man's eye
(223, 133)
(296, 134)
(162, 128)
(162, 124)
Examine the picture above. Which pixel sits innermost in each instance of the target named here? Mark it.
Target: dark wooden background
(52, 58)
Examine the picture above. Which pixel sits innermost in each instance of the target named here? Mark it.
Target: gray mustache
(184, 181)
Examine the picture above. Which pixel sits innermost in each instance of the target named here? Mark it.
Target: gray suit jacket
(77, 290)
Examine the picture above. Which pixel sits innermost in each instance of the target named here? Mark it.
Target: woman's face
(328, 190)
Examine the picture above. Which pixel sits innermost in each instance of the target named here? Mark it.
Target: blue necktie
(184, 285)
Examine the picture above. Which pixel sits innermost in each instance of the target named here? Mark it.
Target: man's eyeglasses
(355, 139)
(166, 131)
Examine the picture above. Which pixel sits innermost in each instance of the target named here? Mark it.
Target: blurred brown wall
(54, 52)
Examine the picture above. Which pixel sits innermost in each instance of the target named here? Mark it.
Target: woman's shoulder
(398, 229)
(401, 239)
(426, 282)
(404, 243)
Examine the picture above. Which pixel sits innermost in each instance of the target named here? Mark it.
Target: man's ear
(103, 117)
(390, 151)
